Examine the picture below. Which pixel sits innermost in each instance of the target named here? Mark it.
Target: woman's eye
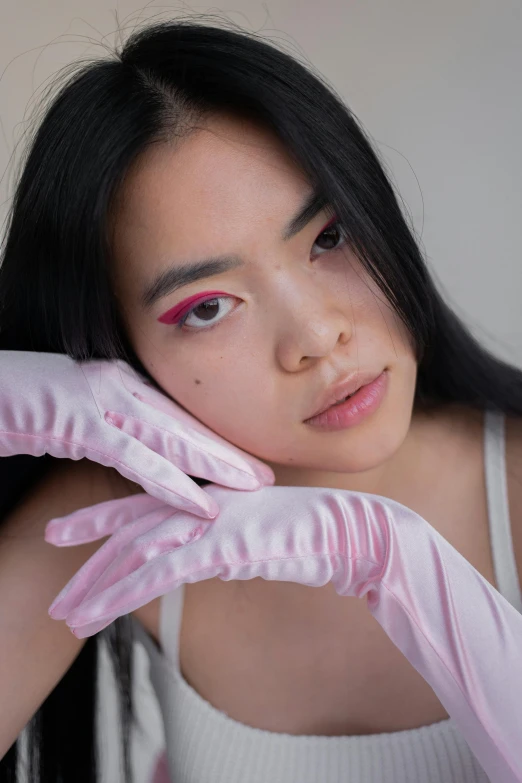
(335, 237)
(206, 312)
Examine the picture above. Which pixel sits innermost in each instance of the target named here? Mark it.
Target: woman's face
(291, 318)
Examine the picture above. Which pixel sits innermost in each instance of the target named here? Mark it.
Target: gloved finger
(91, 628)
(170, 431)
(158, 477)
(81, 583)
(99, 520)
(156, 577)
(146, 544)
(193, 453)
(234, 464)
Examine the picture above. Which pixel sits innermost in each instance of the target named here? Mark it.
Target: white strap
(498, 508)
(171, 612)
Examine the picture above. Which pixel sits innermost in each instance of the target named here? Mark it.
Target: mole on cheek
(196, 380)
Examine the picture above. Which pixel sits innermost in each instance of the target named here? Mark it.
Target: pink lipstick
(355, 409)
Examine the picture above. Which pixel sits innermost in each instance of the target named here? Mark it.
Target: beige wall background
(437, 85)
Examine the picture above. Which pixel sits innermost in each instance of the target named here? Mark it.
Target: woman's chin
(363, 466)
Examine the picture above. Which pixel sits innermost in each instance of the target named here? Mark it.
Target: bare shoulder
(67, 486)
(514, 484)
(36, 650)
(78, 484)
(514, 443)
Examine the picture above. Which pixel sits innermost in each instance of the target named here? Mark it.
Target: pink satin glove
(107, 412)
(458, 632)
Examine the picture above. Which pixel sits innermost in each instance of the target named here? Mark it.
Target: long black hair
(55, 287)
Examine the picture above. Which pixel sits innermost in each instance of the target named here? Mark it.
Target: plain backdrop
(436, 84)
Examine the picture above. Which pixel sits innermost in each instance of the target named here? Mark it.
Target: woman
(200, 144)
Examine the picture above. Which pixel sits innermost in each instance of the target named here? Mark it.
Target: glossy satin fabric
(105, 411)
(460, 634)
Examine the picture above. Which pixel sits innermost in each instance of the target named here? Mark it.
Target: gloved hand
(105, 411)
(458, 632)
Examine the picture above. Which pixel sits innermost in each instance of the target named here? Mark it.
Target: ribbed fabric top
(204, 745)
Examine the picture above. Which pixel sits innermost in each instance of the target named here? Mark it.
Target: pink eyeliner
(175, 313)
(332, 220)
(179, 310)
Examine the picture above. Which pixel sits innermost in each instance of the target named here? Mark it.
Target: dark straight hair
(55, 286)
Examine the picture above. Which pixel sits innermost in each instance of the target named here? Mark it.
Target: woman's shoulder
(71, 485)
(91, 482)
(66, 486)
(36, 650)
(513, 434)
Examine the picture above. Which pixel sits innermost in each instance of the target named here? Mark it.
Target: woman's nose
(312, 332)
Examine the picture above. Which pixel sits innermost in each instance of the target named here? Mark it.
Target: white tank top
(204, 745)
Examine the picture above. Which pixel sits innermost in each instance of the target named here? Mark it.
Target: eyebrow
(183, 274)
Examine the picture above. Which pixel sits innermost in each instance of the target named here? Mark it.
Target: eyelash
(180, 324)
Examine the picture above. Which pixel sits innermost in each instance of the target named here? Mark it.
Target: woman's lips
(358, 407)
(347, 388)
